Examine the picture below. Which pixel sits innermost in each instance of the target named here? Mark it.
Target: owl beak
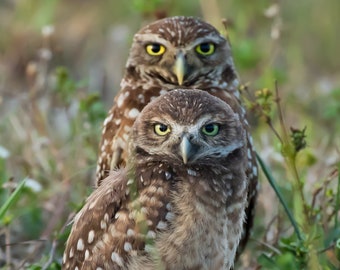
(185, 149)
(179, 68)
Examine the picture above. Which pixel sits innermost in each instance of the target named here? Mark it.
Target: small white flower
(4, 153)
(272, 11)
(47, 30)
(33, 184)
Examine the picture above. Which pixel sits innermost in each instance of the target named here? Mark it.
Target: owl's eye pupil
(163, 128)
(205, 47)
(155, 48)
(209, 128)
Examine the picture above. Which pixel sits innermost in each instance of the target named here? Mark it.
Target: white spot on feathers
(80, 244)
(90, 237)
(121, 98)
(127, 246)
(133, 113)
(117, 259)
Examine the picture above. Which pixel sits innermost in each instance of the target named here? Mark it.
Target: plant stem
(289, 154)
(277, 191)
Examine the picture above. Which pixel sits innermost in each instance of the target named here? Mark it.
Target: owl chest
(195, 244)
(198, 237)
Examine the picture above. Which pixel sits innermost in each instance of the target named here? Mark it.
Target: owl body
(180, 202)
(177, 51)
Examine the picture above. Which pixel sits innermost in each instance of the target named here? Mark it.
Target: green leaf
(12, 199)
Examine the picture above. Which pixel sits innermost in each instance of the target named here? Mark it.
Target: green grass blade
(275, 187)
(12, 199)
(337, 200)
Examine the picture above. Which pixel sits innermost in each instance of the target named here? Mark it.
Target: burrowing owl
(174, 51)
(180, 201)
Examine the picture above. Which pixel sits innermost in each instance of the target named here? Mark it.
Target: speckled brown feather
(148, 77)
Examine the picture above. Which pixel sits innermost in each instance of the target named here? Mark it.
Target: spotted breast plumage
(172, 52)
(180, 201)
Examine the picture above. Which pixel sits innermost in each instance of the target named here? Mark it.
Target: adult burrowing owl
(180, 202)
(174, 51)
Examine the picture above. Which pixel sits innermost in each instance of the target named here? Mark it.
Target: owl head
(188, 128)
(181, 51)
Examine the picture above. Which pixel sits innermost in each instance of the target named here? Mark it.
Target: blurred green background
(61, 63)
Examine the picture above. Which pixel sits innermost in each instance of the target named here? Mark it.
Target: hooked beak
(186, 149)
(179, 68)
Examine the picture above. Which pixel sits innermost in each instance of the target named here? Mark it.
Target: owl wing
(128, 103)
(113, 142)
(91, 225)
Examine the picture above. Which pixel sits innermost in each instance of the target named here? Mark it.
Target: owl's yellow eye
(161, 129)
(211, 129)
(155, 49)
(205, 48)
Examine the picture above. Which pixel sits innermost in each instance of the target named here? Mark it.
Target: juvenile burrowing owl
(174, 51)
(180, 201)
